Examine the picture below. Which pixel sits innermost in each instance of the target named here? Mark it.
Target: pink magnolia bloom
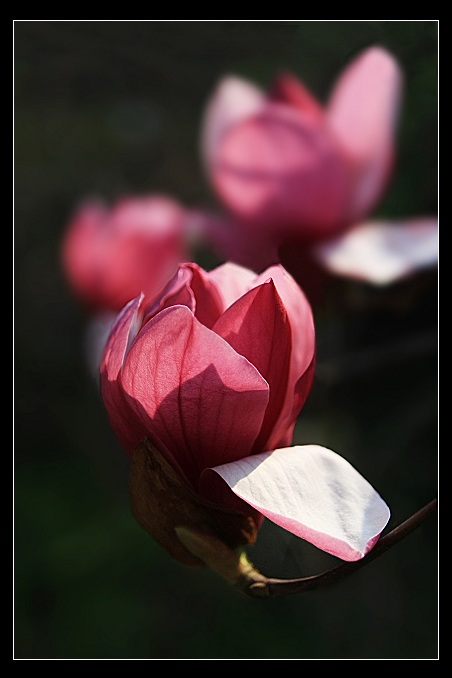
(215, 372)
(289, 169)
(111, 255)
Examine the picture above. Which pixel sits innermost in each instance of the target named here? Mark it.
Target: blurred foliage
(111, 107)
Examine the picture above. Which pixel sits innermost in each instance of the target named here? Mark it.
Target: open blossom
(110, 255)
(287, 168)
(214, 372)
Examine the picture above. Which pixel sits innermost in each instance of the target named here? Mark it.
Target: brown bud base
(163, 505)
(231, 565)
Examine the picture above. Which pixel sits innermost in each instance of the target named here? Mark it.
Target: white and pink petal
(313, 493)
(381, 252)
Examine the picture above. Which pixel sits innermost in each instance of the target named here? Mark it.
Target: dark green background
(110, 107)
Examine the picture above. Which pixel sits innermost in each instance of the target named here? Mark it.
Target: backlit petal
(204, 401)
(300, 375)
(231, 281)
(257, 327)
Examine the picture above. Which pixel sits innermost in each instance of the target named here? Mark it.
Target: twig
(268, 587)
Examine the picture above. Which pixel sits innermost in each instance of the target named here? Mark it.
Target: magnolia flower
(289, 169)
(112, 255)
(214, 373)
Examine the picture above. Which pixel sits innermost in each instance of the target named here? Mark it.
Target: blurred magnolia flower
(214, 373)
(110, 255)
(288, 169)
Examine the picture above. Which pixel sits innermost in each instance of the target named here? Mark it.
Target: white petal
(382, 252)
(313, 493)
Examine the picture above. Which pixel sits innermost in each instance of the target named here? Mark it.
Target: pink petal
(362, 112)
(278, 169)
(257, 327)
(82, 253)
(192, 391)
(209, 305)
(191, 287)
(382, 252)
(234, 99)
(156, 215)
(238, 280)
(177, 291)
(122, 333)
(299, 312)
(313, 493)
(138, 263)
(232, 281)
(300, 375)
(289, 90)
(122, 419)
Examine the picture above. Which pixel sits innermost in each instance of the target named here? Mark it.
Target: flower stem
(267, 587)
